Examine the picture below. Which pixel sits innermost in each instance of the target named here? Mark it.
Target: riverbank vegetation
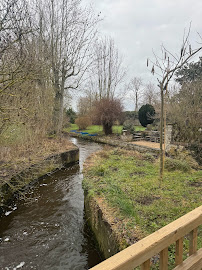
(19, 157)
(44, 52)
(117, 129)
(128, 183)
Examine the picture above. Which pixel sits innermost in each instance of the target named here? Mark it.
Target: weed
(149, 157)
(176, 164)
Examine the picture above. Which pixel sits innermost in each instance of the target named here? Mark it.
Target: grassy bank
(99, 129)
(128, 182)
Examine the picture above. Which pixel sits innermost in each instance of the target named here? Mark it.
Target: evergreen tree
(146, 115)
(190, 72)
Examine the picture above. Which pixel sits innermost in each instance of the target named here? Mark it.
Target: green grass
(139, 128)
(94, 129)
(91, 129)
(117, 129)
(98, 129)
(131, 185)
(72, 127)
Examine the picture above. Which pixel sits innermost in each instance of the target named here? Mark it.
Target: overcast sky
(138, 26)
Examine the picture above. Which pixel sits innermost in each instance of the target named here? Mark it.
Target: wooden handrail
(141, 252)
(194, 262)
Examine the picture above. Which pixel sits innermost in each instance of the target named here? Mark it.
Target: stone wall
(168, 137)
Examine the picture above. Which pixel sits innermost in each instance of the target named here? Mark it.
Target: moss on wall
(106, 236)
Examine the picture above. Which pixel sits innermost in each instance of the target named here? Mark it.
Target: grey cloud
(138, 26)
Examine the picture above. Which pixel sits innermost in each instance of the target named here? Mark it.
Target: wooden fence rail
(140, 253)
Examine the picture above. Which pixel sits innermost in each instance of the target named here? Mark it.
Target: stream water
(48, 229)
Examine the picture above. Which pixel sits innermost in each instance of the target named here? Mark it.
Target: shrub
(71, 115)
(196, 151)
(185, 155)
(146, 115)
(176, 164)
(107, 111)
(129, 126)
(130, 115)
(83, 122)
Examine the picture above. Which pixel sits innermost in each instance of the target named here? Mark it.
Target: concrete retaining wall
(108, 240)
(18, 183)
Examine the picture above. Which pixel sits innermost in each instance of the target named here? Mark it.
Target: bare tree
(84, 105)
(15, 26)
(135, 87)
(165, 67)
(150, 95)
(107, 71)
(26, 94)
(184, 110)
(14, 29)
(69, 33)
(106, 112)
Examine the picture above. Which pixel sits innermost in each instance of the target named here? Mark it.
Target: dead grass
(148, 144)
(16, 158)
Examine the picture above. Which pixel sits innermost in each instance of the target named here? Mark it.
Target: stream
(47, 230)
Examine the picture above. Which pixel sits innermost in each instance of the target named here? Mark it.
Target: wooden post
(193, 242)
(146, 265)
(164, 259)
(179, 252)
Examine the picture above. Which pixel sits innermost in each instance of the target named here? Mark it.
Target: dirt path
(148, 144)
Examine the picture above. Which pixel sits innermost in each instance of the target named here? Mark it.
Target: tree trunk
(58, 102)
(161, 135)
(107, 129)
(58, 113)
(136, 101)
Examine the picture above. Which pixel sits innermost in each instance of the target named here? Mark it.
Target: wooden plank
(193, 262)
(179, 251)
(151, 245)
(193, 241)
(164, 259)
(145, 265)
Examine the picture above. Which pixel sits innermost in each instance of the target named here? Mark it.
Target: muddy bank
(20, 182)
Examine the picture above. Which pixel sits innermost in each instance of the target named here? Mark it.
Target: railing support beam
(146, 265)
(164, 259)
(179, 251)
(193, 242)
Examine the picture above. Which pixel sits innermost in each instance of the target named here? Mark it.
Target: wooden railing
(140, 253)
